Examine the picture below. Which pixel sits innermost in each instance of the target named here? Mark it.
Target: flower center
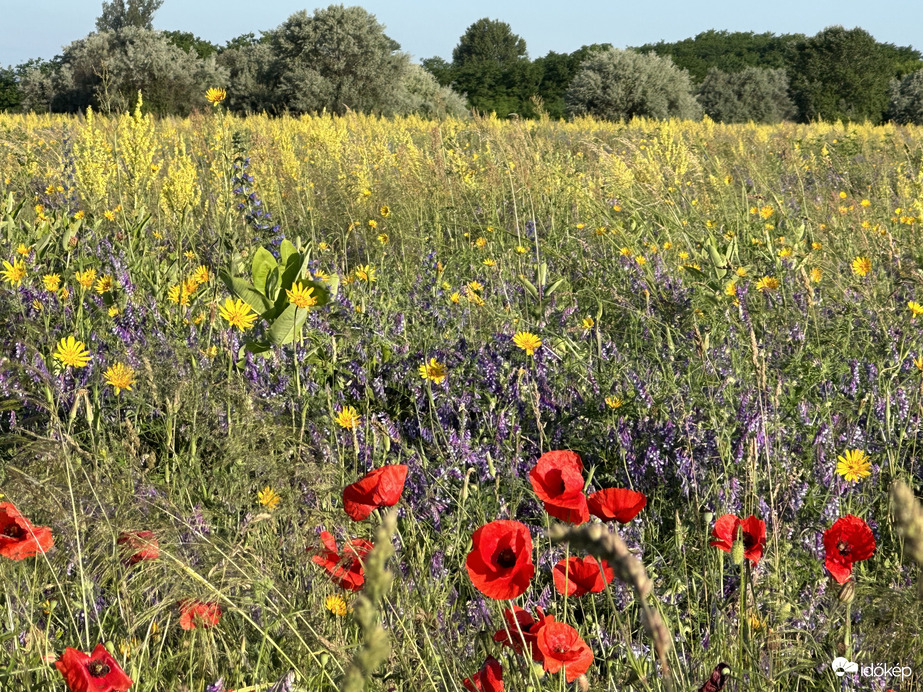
(13, 531)
(749, 541)
(98, 669)
(844, 548)
(506, 558)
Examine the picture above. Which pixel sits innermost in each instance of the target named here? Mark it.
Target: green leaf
(272, 283)
(530, 288)
(285, 250)
(263, 263)
(553, 287)
(287, 326)
(246, 292)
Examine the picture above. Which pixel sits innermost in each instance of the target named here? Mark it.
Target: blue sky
(39, 28)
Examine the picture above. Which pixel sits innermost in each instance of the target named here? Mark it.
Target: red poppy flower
(488, 679)
(754, 535)
(198, 614)
(616, 504)
(578, 576)
(138, 546)
(849, 540)
(96, 672)
(557, 479)
(379, 488)
(562, 647)
(500, 563)
(345, 570)
(516, 634)
(19, 539)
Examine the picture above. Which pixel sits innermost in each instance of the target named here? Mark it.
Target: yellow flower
(915, 308)
(120, 376)
(767, 283)
(200, 275)
(64, 294)
(473, 297)
(865, 203)
(816, 246)
(383, 238)
(110, 216)
(113, 311)
(365, 273)
(588, 322)
(455, 297)
(336, 604)
(862, 265)
(730, 289)
(105, 284)
(385, 211)
(667, 246)
(23, 249)
(434, 370)
(268, 498)
(481, 242)
(684, 255)
(323, 246)
(37, 304)
(215, 96)
(14, 273)
(919, 363)
(348, 418)
(785, 252)
(300, 296)
(641, 260)
(854, 465)
(816, 274)
(613, 402)
(581, 226)
(741, 271)
(373, 223)
(520, 250)
(766, 211)
(86, 278)
(72, 352)
(489, 263)
(52, 282)
(189, 254)
(237, 313)
(80, 214)
(842, 195)
(527, 341)
(475, 286)
(178, 294)
(625, 252)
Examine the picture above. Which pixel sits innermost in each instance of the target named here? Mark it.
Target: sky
(426, 28)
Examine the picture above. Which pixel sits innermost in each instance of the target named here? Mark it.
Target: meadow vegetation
(213, 325)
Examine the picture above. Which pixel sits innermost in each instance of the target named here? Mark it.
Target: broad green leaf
(246, 292)
(273, 280)
(553, 287)
(286, 249)
(263, 263)
(530, 288)
(287, 326)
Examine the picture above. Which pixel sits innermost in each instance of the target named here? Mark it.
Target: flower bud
(737, 551)
(583, 685)
(847, 592)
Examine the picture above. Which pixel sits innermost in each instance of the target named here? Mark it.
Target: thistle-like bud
(583, 685)
(737, 551)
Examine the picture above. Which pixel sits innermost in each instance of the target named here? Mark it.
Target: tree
(840, 74)
(906, 106)
(420, 93)
(491, 41)
(622, 84)
(189, 42)
(249, 64)
(10, 93)
(755, 93)
(117, 14)
(339, 59)
(555, 73)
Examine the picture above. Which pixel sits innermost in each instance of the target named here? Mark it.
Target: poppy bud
(324, 659)
(583, 685)
(737, 551)
(847, 592)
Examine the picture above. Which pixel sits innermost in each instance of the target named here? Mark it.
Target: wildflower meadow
(361, 403)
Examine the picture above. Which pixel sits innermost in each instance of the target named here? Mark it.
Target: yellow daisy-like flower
(816, 246)
(385, 211)
(489, 263)
(475, 286)
(178, 294)
(365, 273)
(300, 296)
(15, 272)
(104, 284)
(269, 498)
(641, 260)
(668, 245)
(383, 238)
(816, 274)
(520, 250)
(588, 322)
(348, 418)
(455, 297)
(766, 211)
(23, 249)
(237, 313)
(336, 604)
(481, 242)
(52, 282)
(373, 223)
(189, 254)
(120, 376)
(72, 352)
(473, 297)
(113, 311)
(730, 288)
(741, 271)
(216, 96)
(862, 266)
(865, 203)
(64, 294)
(854, 465)
(200, 275)
(613, 402)
(322, 276)
(767, 283)
(915, 309)
(37, 304)
(527, 341)
(86, 278)
(323, 246)
(434, 370)
(626, 252)
(684, 255)
(110, 215)
(919, 363)
(785, 252)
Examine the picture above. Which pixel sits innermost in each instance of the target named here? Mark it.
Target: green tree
(906, 103)
(337, 59)
(489, 40)
(250, 64)
(117, 14)
(422, 94)
(440, 69)
(555, 73)
(622, 84)
(190, 42)
(10, 93)
(841, 74)
(755, 93)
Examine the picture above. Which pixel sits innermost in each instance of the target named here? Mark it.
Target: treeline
(339, 59)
